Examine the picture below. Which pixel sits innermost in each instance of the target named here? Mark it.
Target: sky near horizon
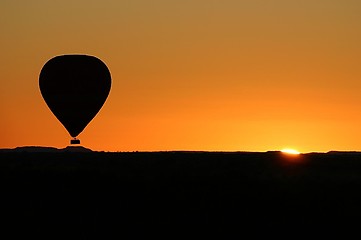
(214, 75)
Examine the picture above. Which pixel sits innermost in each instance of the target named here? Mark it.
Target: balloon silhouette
(75, 88)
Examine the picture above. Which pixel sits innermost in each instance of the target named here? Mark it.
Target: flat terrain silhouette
(67, 194)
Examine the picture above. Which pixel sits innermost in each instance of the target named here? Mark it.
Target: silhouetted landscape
(49, 192)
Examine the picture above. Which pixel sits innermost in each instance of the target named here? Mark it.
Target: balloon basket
(74, 141)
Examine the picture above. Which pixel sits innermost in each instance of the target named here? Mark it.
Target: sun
(290, 151)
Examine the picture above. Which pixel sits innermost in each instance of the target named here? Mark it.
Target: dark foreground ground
(172, 194)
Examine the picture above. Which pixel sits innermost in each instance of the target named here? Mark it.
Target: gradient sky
(248, 75)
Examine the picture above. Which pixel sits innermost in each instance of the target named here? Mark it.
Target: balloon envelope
(75, 88)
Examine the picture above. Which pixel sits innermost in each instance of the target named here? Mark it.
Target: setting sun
(290, 151)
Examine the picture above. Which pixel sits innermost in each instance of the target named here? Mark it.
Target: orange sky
(252, 75)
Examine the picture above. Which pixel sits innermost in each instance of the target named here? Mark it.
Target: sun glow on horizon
(290, 151)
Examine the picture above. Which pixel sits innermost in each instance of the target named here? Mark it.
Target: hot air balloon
(75, 88)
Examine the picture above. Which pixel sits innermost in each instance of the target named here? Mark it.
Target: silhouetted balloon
(75, 88)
